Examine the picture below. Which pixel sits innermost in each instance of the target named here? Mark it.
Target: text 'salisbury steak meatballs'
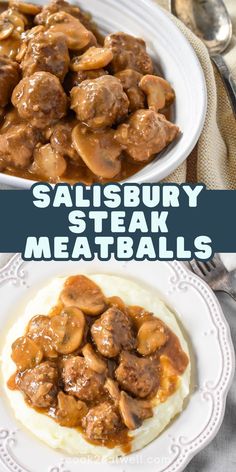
(40, 99)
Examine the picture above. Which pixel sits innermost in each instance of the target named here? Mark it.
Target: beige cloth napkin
(213, 160)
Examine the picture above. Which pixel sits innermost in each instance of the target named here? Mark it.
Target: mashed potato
(70, 440)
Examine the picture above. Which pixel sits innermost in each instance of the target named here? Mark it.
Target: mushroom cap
(82, 292)
(92, 359)
(67, 330)
(99, 150)
(26, 353)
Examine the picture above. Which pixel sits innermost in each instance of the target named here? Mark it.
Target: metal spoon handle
(227, 78)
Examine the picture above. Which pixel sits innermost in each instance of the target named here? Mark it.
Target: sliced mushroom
(39, 332)
(151, 336)
(93, 58)
(118, 303)
(159, 92)
(70, 411)
(113, 389)
(10, 47)
(99, 150)
(77, 36)
(48, 163)
(83, 293)
(26, 8)
(14, 18)
(93, 361)
(26, 37)
(26, 353)
(6, 29)
(67, 330)
(133, 411)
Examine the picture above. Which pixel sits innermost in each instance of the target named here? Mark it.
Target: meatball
(137, 375)
(80, 380)
(17, 144)
(113, 332)
(130, 81)
(75, 78)
(101, 421)
(47, 52)
(61, 141)
(100, 102)
(128, 53)
(40, 385)
(40, 99)
(55, 6)
(9, 78)
(145, 133)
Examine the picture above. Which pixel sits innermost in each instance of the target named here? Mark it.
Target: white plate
(179, 63)
(212, 363)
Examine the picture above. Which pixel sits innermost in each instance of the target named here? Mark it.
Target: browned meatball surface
(55, 6)
(17, 144)
(61, 141)
(40, 385)
(40, 99)
(75, 78)
(137, 375)
(80, 380)
(102, 421)
(145, 133)
(128, 53)
(130, 81)
(113, 332)
(47, 52)
(9, 77)
(100, 102)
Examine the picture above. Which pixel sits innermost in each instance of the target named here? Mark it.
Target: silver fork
(215, 274)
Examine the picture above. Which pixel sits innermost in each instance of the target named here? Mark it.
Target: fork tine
(217, 260)
(203, 267)
(196, 269)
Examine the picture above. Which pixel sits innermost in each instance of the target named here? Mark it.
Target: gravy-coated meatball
(128, 53)
(81, 381)
(47, 52)
(137, 375)
(102, 421)
(17, 144)
(40, 99)
(61, 141)
(74, 78)
(113, 332)
(130, 80)
(145, 133)
(99, 103)
(9, 77)
(40, 385)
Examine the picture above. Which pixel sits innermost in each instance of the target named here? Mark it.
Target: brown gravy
(75, 173)
(170, 359)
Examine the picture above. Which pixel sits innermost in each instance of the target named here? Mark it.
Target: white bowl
(212, 362)
(179, 64)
